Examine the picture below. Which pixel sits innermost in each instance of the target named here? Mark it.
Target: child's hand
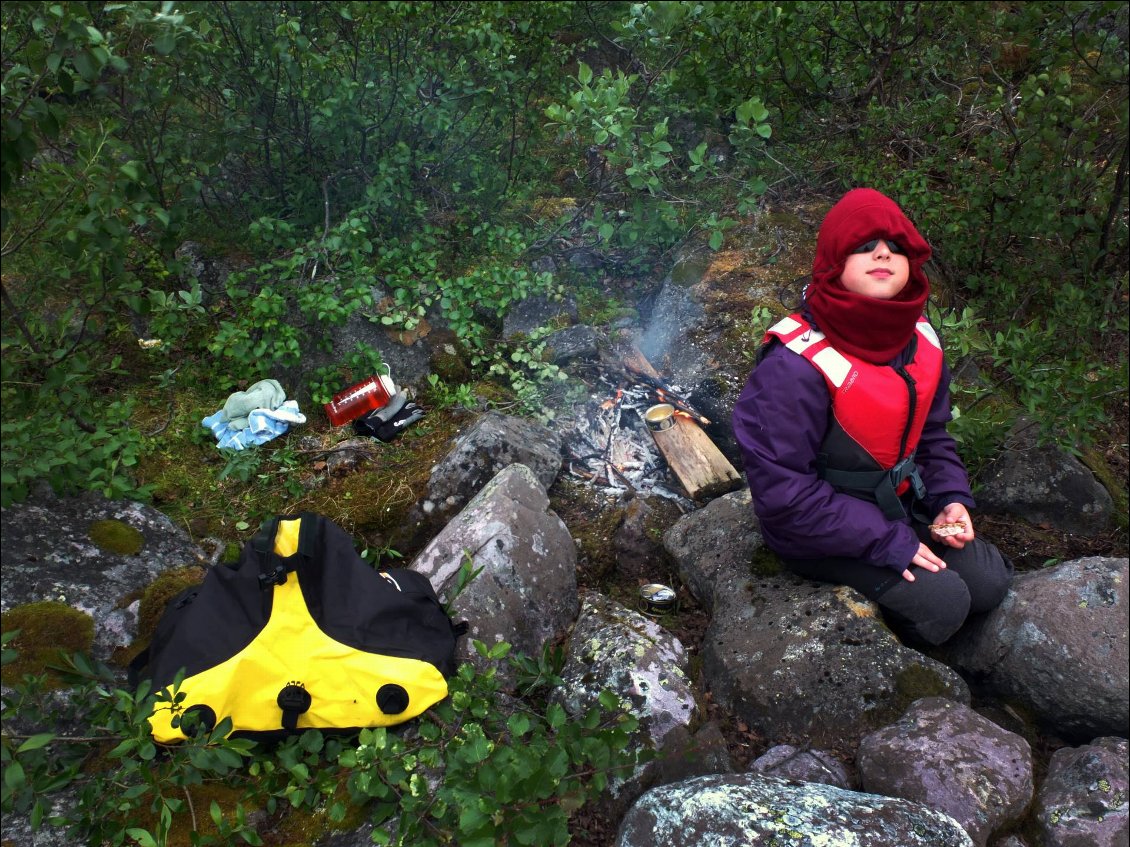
(949, 517)
(924, 558)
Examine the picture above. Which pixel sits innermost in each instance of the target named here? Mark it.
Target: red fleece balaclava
(874, 330)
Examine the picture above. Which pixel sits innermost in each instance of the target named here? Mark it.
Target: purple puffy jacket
(780, 421)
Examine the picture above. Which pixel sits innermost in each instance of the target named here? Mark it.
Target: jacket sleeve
(942, 469)
(780, 421)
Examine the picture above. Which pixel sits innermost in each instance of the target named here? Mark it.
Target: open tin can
(660, 417)
(656, 599)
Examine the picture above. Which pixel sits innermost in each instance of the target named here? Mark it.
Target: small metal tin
(660, 417)
(657, 599)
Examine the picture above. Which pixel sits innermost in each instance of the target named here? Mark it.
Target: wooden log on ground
(695, 460)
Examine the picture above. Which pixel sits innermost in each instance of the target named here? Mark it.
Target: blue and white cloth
(262, 426)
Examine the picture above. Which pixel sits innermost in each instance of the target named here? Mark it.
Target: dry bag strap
(293, 700)
(881, 486)
(272, 568)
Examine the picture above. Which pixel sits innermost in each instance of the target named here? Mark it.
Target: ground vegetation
(434, 152)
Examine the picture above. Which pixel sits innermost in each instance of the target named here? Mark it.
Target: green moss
(1096, 461)
(188, 827)
(690, 269)
(116, 536)
(48, 631)
(593, 524)
(765, 562)
(915, 682)
(158, 594)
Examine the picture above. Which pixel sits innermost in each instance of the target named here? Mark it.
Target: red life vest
(878, 411)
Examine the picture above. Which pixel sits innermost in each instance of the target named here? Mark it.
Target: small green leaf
(36, 742)
(141, 836)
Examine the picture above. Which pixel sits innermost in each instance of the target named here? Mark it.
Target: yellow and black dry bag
(301, 633)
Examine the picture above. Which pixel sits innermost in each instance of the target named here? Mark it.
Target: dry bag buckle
(275, 577)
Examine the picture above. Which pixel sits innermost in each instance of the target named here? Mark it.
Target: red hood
(874, 330)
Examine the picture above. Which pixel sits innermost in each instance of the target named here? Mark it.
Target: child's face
(876, 269)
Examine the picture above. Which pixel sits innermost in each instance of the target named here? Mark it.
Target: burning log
(694, 459)
(699, 465)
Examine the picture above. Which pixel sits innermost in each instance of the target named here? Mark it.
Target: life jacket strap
(879, 486)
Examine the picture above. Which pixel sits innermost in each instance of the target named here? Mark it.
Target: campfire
(612, 448)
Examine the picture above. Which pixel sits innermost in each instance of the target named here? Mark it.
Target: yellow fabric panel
(342, 681)
(286, 537)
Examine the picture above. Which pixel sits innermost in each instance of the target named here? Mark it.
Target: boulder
(714, 547)
(799, 659)
(1045, 485)
(685, 755)
(645, 666)
(750, 810)
(493, 442)
(636, 543)
(789, 656)
(93, 554)
(787, 762)
(1082, 802)
(1057, 647)
(538, 310)
(527, 591)
(946, 756)
(618, 649)
(572, 343)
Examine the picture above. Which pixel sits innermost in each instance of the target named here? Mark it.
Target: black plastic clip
(275, 577)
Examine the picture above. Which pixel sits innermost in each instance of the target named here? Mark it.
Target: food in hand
(945, 530)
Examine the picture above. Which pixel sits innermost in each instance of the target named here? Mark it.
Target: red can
(360, 399)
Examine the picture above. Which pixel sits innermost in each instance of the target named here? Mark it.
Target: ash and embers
(611, 448)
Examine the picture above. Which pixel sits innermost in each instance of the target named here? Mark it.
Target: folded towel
(263, 426)
(264, 394)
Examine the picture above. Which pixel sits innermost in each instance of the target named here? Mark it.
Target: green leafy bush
(477, 768)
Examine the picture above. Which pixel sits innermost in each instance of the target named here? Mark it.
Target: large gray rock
(1082, 802)
(1043, 484)
(527, 591)
(492, 443)
(801, 659)
(1057, 646)
(49, 554)
(946, 756)
(714, 547)
(789, 656)
(538, 310)
(572, 343)
(785, 761)
(750, 810)
(618, 649)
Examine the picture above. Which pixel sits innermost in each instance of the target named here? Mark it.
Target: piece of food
(945, 530)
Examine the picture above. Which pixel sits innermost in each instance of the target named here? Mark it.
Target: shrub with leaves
(480, 768)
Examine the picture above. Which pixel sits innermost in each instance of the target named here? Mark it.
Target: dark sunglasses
(870, 246)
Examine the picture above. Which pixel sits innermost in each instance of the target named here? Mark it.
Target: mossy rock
(1100, 467)
(48, 631)
(765, 563)
(915, 682)
(158, 594)
(116, 536)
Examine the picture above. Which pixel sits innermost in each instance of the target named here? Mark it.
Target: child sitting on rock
(842, 426)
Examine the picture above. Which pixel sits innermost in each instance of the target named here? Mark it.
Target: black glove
(370, 423)
(399, 422)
